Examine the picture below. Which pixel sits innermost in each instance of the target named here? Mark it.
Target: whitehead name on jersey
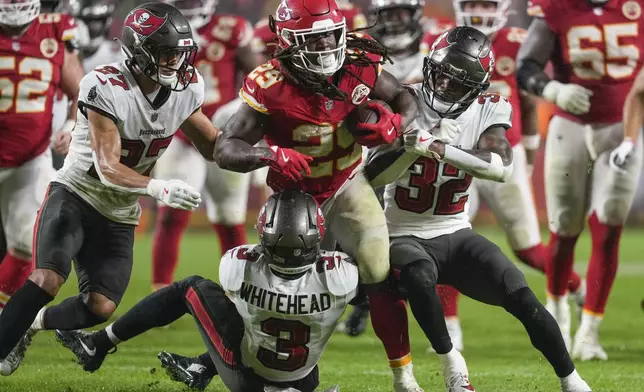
(432, 198)
(276, 309)
(146, 126)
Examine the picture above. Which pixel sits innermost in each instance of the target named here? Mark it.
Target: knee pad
(419, 275)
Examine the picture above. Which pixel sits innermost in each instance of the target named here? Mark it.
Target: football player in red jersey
(225, 48)
(596, 50)
(36, 58)
(352, 14)
(511, 202)
(297, 102)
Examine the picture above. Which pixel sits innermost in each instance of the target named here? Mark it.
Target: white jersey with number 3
(431, 198)
(145, 124)
(287, 322)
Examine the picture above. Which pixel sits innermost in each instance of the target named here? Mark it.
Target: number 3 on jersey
(422, 193)
(291, 352)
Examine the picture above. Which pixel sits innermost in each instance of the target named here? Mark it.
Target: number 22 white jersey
(432, 197)
(287, 323)
(146, 126)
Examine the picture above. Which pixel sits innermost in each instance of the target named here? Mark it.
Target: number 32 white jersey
(146, 126)
(432, 198)
(287, 322)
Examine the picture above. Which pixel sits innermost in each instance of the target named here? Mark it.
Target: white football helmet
(16, 13)
(198, 12)
(487, 22)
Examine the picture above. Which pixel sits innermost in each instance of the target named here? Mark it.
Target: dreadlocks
(358, 45)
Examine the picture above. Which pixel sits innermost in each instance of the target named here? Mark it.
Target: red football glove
(289, 162)
(384, 131)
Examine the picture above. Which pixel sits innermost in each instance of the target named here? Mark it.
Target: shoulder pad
(494, 110)
(258, 87)
(233, 264)
(340, 272)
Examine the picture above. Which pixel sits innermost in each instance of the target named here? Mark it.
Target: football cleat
(458, 382)
(586, 346)
(88, 355)
(560, 310)
(17, 355)
(574, 383)
(188, 370)
(455, 373)
(404, 380)
(356, 323)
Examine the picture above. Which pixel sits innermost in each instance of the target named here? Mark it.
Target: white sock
(572, 379)
(113, 338)
(451, 360)
(39, 321)
(590, 322)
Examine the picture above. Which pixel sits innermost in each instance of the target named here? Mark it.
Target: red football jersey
(505, 45)
(216, 60)
(310, 124)
(598, 47)
(30, 72)
(264, 40)
(433, 31)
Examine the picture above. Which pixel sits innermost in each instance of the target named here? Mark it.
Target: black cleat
(17, 355)
(188, 370)
(356, 323)
(82, 345)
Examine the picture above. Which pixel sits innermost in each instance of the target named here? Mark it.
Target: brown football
(362, 114)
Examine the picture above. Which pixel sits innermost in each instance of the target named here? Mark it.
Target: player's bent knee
(48, 280)
(101, 306)
(373, 260)
(185, 284)
(522, 303)
(419, 274)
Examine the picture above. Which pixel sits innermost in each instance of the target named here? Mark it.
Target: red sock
(603, 263)
(14, 271)
(170, 225)
(559, 263)
(230, 236)
(389, 320)
(535, 257)
(449, 299)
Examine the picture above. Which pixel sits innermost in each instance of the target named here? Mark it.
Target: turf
(498, 351)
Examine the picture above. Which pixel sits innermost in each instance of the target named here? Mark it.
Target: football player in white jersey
(266, 324)
(129, 112)
(459, 134)
(398, 26)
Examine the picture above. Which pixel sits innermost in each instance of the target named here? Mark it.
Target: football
(362, 114)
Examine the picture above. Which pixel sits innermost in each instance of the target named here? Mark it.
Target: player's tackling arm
(106, 150)
(491, 160)
(202, 133)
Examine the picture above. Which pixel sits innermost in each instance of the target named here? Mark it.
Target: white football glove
(619, 155)
(418, 141)
(572, 98)
(174, 193)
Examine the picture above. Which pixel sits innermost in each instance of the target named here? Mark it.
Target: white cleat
(574, 383)
(404, 380)
(455, 372)
(455, 334)
(560, 310)
(586, 346)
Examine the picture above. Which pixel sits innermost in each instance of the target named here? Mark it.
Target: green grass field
(499, 354)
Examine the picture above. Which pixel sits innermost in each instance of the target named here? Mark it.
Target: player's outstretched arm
(491, 160)
(202, 133)
(389, 89)
(106, 152)
(633, 120)
(529, 125)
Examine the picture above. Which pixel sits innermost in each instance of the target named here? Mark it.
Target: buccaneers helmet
(157, 39)
(489, 19)
(198, 12)
(291, 227)
(457, 70)
(300, 23)
(397, 23)
(18, 13)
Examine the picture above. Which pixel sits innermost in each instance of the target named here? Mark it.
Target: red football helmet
(300, 23)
